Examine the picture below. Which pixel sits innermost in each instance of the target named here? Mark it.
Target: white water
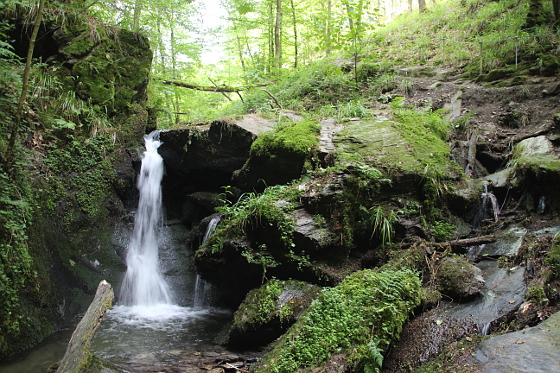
(490, 202)
(143, 283)
(203, 289)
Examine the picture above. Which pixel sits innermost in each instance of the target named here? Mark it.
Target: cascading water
(143, 282)
(149, 321)
(202, 288)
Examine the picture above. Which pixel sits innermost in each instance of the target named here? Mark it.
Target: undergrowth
(251, 211)
(360, 318)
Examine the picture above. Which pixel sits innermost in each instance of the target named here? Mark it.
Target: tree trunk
(270, 36)
(556, 9)
(9, 158)
(239, 47)
(78, 356)
(278, 35)
(421, 5)
(294, 20)
(174, 66)
(136, 16)
(328, 27)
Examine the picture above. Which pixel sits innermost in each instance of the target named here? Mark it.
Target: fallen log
(78, 356)
(220, 89)
(465, 242)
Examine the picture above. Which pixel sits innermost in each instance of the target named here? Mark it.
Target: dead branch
(465, 242)
(220, 89)
(78, 355)
(274, 98)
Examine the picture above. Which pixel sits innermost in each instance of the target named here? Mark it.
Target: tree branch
(220, 89)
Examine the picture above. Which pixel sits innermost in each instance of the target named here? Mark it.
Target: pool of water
(135, 333)
(40, 357)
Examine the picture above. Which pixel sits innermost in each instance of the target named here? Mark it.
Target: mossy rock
(497, 74)
(350, 325)
(268, 311)
(458, 278)
(110, 66)
(402, 146)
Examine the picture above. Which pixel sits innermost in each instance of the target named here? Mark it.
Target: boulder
(534, 145)
(425, 337)
(459, 279)
(220, 147)
(532, 350)
(267, 312)
(502, 293)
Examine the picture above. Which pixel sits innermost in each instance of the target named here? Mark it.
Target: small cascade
(485, 328)
(490, 203)
(489, 209)
(202, 289)
(143, 283)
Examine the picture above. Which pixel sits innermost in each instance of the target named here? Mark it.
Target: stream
(163, 310)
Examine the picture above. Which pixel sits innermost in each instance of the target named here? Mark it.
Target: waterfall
(203, 288)
(490, 202)
(489, 209)
(143, 283)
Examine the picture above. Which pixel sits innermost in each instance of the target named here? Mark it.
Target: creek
(163, 309)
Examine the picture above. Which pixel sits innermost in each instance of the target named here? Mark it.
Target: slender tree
(278, 36)
(9, 159)
(294, 21)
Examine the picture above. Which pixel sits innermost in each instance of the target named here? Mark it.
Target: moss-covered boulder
(537, 165)
(278, 156)
(107, 66)
(349, 327)
(459, 279)
(269, 311)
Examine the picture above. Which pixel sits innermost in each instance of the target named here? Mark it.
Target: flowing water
(143, 283)
(163, 311)
(149, 320)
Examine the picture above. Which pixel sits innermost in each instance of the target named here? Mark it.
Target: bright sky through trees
(213, 18)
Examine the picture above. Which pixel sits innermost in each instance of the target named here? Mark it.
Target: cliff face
(76, 174)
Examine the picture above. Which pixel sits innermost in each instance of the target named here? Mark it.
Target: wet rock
(424, 337)
(503, 293)
(329, 127)
(500, 179)
(223, 146)
(267, 312)
(308, 233)
(532, 350)
(459, 279)
(507, 244)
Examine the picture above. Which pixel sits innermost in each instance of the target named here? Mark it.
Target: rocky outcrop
(458, 279)
(532, 350)
(267, 312)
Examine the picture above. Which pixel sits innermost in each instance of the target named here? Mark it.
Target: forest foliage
(327, 58)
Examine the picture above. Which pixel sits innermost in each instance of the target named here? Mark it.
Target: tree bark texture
(78, 356)
(278, 35)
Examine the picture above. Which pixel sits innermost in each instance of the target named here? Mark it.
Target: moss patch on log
(352, 323)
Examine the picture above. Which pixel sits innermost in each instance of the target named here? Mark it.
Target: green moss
(269, 210)
(264, 304)
(553, 258)
(357, 320)
(297, 139)
(537, 295)
(407, 144)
